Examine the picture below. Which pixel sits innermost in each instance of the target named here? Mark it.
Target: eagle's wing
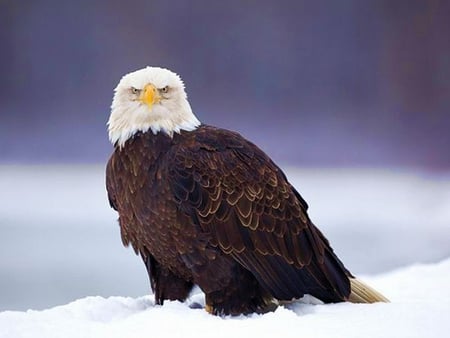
(244, 201)
(110, 187)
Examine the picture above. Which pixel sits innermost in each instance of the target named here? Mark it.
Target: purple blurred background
(313, 83)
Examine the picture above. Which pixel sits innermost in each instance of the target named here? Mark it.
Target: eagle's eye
(135, 90)
(164, 89)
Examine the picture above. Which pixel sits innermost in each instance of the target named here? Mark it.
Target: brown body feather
(208, 207)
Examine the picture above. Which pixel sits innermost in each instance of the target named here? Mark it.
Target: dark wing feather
(244, 201)
(110, 188)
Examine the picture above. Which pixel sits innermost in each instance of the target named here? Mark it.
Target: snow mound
(420, 307)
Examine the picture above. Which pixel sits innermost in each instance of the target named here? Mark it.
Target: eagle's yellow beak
(150, 95)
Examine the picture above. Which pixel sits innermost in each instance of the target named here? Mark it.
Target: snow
(420, 305)
(60, 242)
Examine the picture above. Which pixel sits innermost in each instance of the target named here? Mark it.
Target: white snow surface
(420, 307)
(59, 241)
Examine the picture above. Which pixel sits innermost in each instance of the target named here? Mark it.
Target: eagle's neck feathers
(125, 121)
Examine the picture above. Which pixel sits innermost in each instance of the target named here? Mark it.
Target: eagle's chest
(148, 215)
(147, 212)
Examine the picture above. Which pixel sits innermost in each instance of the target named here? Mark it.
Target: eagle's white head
(153, 99)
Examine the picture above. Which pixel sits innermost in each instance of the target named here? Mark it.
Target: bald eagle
(204, 206)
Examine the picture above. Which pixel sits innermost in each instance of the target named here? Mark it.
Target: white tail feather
(362, 293)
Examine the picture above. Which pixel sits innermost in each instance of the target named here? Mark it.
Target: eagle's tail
(362, 293)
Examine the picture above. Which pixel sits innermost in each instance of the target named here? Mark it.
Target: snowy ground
(420, 306)
(60, 242)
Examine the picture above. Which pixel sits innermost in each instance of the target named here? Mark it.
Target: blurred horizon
(327, 84)
(60, 239)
